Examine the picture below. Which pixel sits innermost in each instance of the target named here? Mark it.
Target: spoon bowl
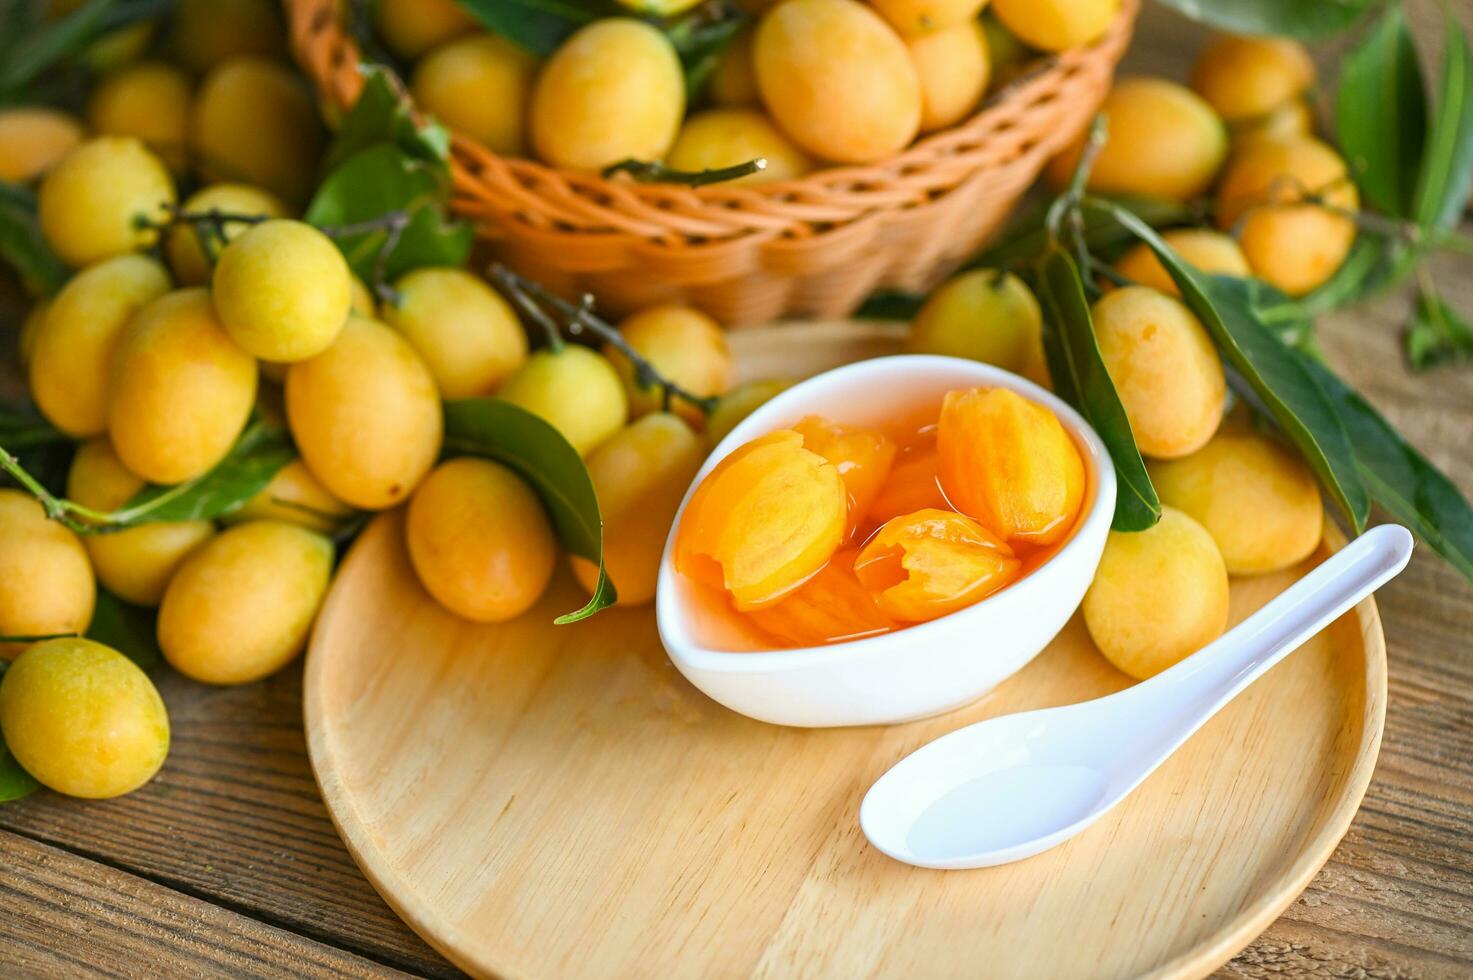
(1010, 787)
(911, 673)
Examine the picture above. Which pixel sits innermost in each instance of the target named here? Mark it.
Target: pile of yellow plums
(810, 82)
(171, 334)
(1237, 499)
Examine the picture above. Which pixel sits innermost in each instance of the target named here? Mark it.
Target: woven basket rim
(541, 200)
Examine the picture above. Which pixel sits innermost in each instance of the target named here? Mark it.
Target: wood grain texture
(234, 819)
(96, 919)
(581, 810)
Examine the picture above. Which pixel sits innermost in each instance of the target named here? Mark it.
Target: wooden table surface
(227, 863)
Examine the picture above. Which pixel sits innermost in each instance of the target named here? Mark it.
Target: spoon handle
(1202, 683)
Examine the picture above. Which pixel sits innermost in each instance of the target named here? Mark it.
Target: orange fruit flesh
(862, 456)
(931, 563)
(1008, 463)
(829, 608)
(768, 527)
(765, 520)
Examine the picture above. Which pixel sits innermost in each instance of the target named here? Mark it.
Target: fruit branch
(392, 223)
(580, 317)
(654, 172)
(59, 509)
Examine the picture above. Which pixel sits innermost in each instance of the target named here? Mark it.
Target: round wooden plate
(541, 801)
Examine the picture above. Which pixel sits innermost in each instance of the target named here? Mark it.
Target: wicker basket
(812, 247)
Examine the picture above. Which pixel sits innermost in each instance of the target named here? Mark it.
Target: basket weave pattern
(811, 247)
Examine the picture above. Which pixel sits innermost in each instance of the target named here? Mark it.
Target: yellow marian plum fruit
(830, 607)
(1202, 248)
(933, 562)
(83, 719)
(148, 101)
(467, 334)
(1289, 121)
(640, 474)
(295, 496)
(255, 123)
(862, 456)
(72, 353)
(984, 315)
(685, 346)
(741, 401)
(914, 484)
(1158, 595)
(135, 564)
(361, 299)
(838, 79)
(46, 583)
(1165, 368)
(1257, 499)
(33, 139)
(365, 415)
(575, 390)
(180, 390)
(1164, 141)
(915, 17)
(717, 138)
(1009, 463)
(90, 203)
(479, 86)
(733, 81)
(659, 8)
(1054, 25)
(764, 521)
(479, 540)
(207, 32)
(1244, 77)
(951, 64)
(1292, 244)
(25, 342)
(241, 606)
(282, 290)
(613, 91)
(183, 243)
(410, 28)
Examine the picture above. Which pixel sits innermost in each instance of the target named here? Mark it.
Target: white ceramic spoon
(1010, 787)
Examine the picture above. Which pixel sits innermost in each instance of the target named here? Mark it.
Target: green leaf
(384, 114)
(1438, 335)
(538, 26)
(1381, 115)
(1296, 18)
(57, 40)
(1400, 479)
(22, 244)
(1447, 162)
(1375, 264)
(15, 782)
(1027, 239)
(700, 36)
(891, 304)
(258, 454)
(1271, 370)
(515, 437)
(129, 629)
(380, 180)
(1079, 377)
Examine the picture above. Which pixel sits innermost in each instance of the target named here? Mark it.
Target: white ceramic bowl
(911, 673)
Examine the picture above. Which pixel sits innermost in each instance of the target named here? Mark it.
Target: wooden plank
(235, 818)
(65, 915)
